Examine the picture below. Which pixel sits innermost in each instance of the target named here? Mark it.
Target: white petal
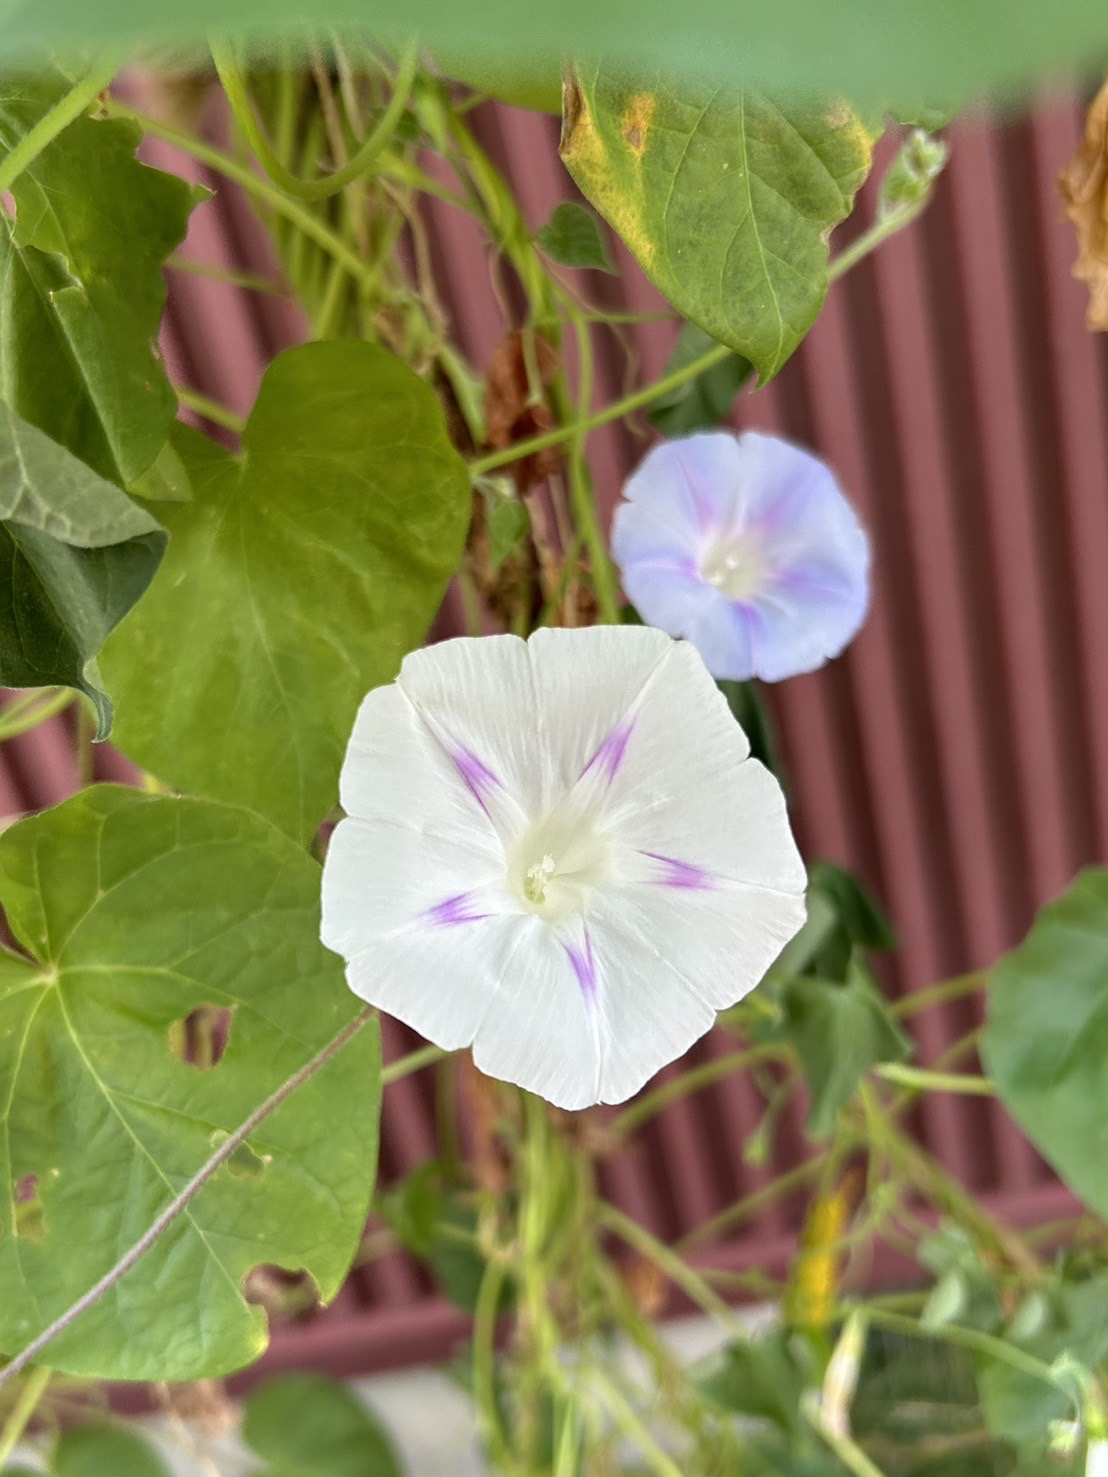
(666, 966)
(397, 770)
(687, 790)
(476, 696)
(650, 1013)
(385, 876)
(542, 1030)
(586, 682)
(442, 981)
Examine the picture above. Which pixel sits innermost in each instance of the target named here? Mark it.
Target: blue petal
(691, 486)
(798, 626)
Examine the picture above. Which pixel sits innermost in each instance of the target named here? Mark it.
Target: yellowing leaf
(725, 198)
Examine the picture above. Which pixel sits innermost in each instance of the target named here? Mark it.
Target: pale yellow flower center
(735, 565)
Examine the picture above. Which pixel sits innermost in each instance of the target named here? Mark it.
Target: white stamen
(537, 878)
(735, 566)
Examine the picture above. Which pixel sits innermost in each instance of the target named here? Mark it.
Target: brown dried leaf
(511, 414)
(646, 1283)
(205, 1404)
(1084, 186)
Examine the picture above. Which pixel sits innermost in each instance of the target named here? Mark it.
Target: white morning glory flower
(558, 851)
(745, 546)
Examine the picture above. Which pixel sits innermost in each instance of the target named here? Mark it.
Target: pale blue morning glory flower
(746, 547)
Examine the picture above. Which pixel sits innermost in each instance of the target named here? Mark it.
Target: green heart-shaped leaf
(137, 912)
(296, 579)
(1046, 1041)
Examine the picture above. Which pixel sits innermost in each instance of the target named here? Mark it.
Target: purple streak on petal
(683, 875)
(706, 516)
(477, 775)
(584, 967)
(611, 753)
(456, 909)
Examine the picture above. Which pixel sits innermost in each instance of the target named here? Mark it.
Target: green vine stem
(506, 227)
(940, 994)
(920, 1079)
(484, 1366)
(360, 163)
(613, 412)
(793, 1179)
(415, 1061)
(211, 410)
(39, 706)
(633, 1428)
(308, 224)
(249, 281)
(34, 1387)
(927, 1175)
(861, 248)
(953, 1333)
(60, 116)
(668, 1261)
(694, 1080)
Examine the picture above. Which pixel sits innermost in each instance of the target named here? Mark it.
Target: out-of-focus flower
(559, 851)
(747, 548)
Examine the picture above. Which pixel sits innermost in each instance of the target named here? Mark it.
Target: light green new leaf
(725, 198)
(136, 911)
(309, 1426)
(297, 578)
(81, 285)
(839, 1032)
(97, 1451)
(1045, 1044)
(75, 555)
(572, 238)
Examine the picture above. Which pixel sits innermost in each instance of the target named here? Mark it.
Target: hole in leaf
(243, 1164)
(283, 1294)
(200, 1038)
(29, 1221)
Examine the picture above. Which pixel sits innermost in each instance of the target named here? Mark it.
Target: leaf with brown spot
(515, 409)
(725, 197)
(636, 121)
(1084, 186)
